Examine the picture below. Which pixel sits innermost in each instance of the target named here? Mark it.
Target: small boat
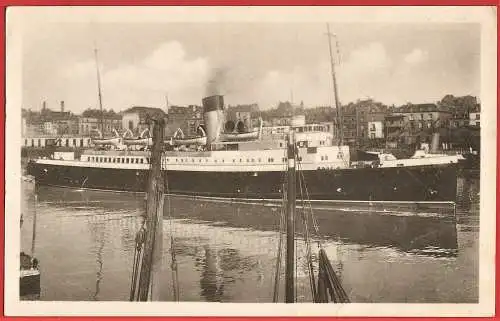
(179, 139)
(116, 141)
(240, 136)
(29, 279)
(29, 276)
(138, 141)
(110, 141)
(190, 141)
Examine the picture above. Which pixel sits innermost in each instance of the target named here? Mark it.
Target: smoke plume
(217, 82)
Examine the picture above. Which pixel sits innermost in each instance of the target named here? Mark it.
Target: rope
(139, 242)
(280, 251)
(281, 228)
(328, 281)
(313, 217)
(173, 266)
(307, 242)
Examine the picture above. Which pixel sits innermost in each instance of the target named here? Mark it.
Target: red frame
(5, 4)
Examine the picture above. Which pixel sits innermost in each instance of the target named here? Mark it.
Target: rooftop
(144, 110)
(418, 108)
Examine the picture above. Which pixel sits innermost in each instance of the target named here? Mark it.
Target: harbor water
(227, 251)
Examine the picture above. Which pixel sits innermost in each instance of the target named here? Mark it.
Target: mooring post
(290, 224)
(149, 280)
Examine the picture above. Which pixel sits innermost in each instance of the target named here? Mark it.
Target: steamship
(244, 164)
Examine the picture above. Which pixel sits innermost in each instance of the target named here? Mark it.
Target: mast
(290, 223)
(99, 90)
(167, 104)
(335, 89)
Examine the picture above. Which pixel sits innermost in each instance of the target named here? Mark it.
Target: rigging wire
(312, 281)
(280, 250)
(173, 266)
(282, 228)
(327, 278)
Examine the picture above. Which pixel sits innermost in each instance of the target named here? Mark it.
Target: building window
(430, 116)
(81, 142)
(39, 144)
(372, 135)
(477, 116)
(25, 142)
(130, 125)
(142, 160)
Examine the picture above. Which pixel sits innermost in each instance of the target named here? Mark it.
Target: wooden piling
(149, 279)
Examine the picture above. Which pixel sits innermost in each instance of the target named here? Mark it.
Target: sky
(264, 63)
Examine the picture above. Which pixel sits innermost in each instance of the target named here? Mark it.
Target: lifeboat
(148, 141)
(179, 138)
(141, 141)
(116, 141)
(240, 135)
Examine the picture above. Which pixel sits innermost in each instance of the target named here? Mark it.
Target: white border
(486, 16)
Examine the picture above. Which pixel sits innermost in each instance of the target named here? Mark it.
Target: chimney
(62, 106)
(44, 105)
(213, 114)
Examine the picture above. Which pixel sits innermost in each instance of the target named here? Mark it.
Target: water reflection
(212, 276)
(226, 252)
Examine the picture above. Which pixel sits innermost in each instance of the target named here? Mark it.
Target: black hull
(419, 183)
(29, 285)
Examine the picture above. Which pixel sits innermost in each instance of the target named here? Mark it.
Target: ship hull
(418, 183)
